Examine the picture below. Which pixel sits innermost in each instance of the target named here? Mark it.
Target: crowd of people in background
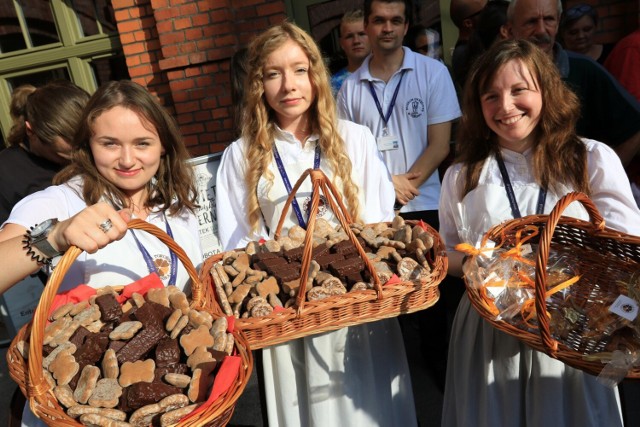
(532, 107)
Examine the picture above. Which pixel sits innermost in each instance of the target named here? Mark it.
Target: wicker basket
(352, 308)
(28, 373)
(600, 254)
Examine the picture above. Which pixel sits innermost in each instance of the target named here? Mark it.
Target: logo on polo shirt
(415, 107)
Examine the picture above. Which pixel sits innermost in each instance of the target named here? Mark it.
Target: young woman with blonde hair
(356, 375)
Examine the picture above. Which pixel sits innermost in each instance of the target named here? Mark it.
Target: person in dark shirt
(44, 122)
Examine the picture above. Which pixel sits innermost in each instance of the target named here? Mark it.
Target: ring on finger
(105, 226)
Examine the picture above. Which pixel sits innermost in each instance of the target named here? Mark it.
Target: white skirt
(355, 376)
(495, 380)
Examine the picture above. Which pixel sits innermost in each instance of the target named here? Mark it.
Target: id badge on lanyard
(387, 142)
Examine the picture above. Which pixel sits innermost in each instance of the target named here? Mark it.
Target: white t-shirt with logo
(426, 97)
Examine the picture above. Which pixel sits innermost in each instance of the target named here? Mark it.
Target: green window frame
(74, 52)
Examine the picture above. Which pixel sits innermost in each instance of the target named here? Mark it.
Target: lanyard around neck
(386, 117)
(287, 183)
(515, 210)
(151, 266)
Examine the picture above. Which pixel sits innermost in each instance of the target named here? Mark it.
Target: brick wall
(180, 50)
(617, 17)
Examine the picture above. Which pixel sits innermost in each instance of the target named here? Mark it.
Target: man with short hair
(409, 102)
(354, 43)
(608, 112)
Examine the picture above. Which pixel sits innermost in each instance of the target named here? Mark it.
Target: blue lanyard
(149, 261)
(287, 183)
(386, 117)
(515, 211)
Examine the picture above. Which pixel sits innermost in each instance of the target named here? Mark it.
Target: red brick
(270, 8)
(128, 26)
(169, 63)
(126, 38)
(200, 20)
(138, 35)
(137, 12)
(246, 13)
(192, 71)
(121, 4)
(202, 116)
(188, 9)
(193, 33)
(197, 58)
(122, 15)
(184, 118)
(135, 48)
(169, 51)
(164, 27)
(159, 4)
(142, 70)
(171, 38)
(188, 107)
(185, 84)
(203, 81)
(243, 3)
(182, 23)
(276, 19)
(218, 147)
(165, 14)
(175, 75)
(195, 128)
(148, 22)
(205, 44)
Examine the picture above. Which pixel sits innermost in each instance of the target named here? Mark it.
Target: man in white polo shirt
(408, 101)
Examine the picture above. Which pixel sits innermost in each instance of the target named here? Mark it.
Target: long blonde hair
(259, 118)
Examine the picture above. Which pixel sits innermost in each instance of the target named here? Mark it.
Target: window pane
(38, 79)
(40, 23)
(107, 69)
(11, 38)
(90, 12)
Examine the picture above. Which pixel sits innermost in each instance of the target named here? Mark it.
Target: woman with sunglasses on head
(578, 27)
(358, 375)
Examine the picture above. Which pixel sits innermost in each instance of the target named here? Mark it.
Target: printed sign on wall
(205, 168)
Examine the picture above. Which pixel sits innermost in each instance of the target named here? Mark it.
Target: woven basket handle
(543, 255)
(37, 385)
(319, 182)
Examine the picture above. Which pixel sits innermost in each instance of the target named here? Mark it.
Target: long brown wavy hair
(259, 119)
(173, 187)
(559, 156)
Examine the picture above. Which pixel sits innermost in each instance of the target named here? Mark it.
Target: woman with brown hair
(357, 375)
(518, 154)
(128, 160)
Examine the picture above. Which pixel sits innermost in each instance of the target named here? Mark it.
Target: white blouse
(121, 262)
(468, 219)
(369, 173)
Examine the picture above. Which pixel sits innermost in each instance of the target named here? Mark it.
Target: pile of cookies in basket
(151, 358)
(266, 275)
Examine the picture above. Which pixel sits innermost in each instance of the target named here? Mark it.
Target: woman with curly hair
(356, 375)
(518, 154)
